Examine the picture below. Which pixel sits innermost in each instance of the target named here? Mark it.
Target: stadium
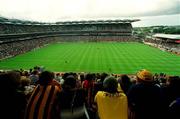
(112, 47)
(86, 59)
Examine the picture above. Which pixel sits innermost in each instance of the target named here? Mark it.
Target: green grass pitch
(110, 57)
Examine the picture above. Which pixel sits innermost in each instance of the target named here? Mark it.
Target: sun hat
(145, 75)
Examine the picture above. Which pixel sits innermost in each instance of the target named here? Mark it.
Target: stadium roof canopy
(24, 22)
(168, 36)
(97, 22)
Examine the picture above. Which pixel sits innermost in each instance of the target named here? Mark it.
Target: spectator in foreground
(34, 77)
(12, 102)
(88, 86)
(125, 83)
(72, 100)
(99, 84)
(43, 101)
(145, 98)
(174, 109)
(25, 87)
(110, 103)
(172, 97)
(58, 77)
(172, 89)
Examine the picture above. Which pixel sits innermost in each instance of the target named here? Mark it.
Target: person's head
(26, 73)
(144, 76)
(103, 76)
(89, 77)
(69, 83)
(15, 78)
(10, 79)
(25, 81)
(124, 79)
(64, 76)
(125, 82)
(58, 74)
(110, 84)
(35, 72)
(82, 76)
(30, 70)
(174, 81)
(46, 77)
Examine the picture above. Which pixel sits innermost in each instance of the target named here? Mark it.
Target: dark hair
(65, 75)
(69, 82)
(103, 76)
(10, 79)
(82, 77)
(35, 72)
(46, 77)
(57, 74)
(125, 83)
(89, 77)
(110, 84)
(174, 81)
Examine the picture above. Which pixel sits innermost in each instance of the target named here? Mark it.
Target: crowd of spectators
(20, 47)
(18, 29)
(165, 46)
(14, 28)
(52, 95)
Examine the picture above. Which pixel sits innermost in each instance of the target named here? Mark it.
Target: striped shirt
(42, 101)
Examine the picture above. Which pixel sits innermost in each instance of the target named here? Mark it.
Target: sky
(151, 12)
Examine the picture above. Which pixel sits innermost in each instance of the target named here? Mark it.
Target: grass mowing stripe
(97, 57)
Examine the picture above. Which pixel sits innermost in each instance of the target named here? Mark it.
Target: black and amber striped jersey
(42, 102)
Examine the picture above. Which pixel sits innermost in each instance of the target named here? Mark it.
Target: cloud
(158, 20)
(126, 8)
(166, 8)
(59, 10)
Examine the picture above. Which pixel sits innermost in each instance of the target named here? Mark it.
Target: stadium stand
(168, 42)
(17, 36)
